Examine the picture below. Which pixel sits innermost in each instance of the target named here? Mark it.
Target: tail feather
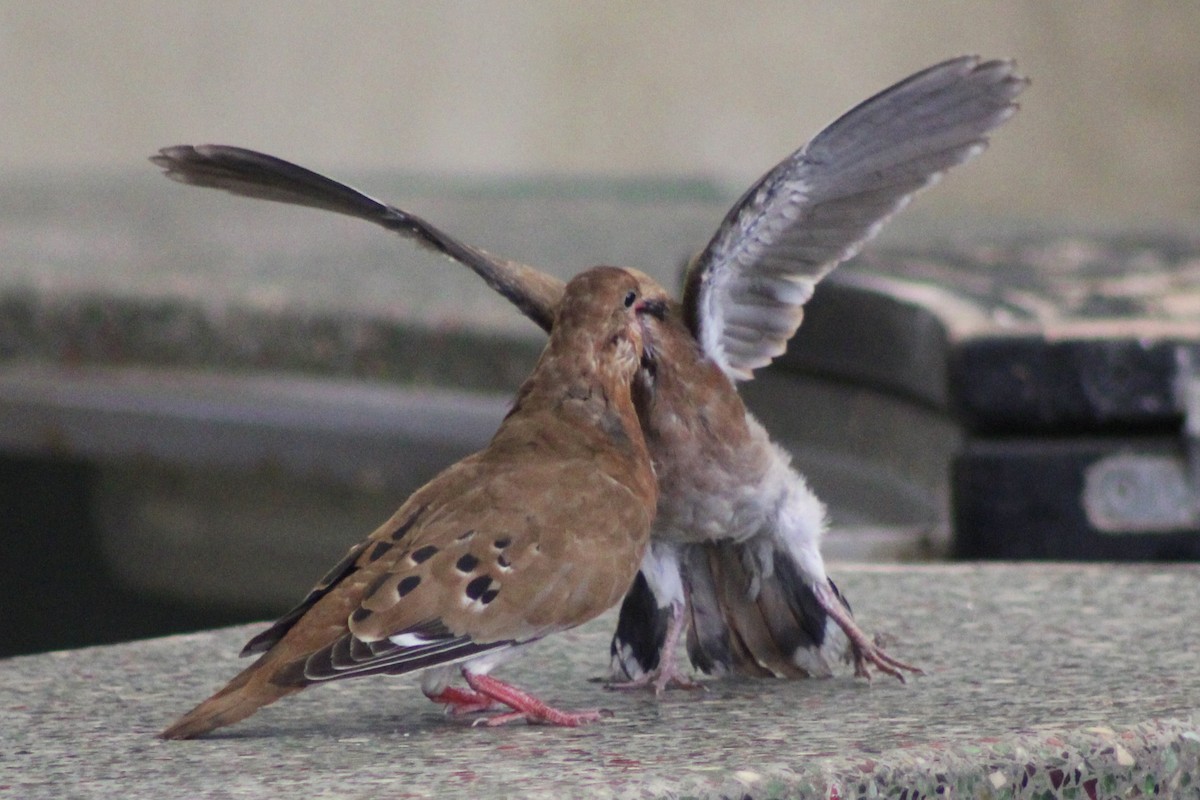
(756, 625)
(641, 631)
(250, 690)
(789, 631)
(820, 640)
(780, 631)
(709, 646)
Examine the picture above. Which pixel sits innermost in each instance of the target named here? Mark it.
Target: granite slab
(1043, 681)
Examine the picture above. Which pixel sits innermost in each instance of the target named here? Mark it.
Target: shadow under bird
(735, 553)
(540, 531)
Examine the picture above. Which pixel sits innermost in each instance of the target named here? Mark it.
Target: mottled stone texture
(1044, 681)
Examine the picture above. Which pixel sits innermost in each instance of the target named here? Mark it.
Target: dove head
(605, 313)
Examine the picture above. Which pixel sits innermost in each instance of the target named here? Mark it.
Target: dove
(735, 556)
(535, 534)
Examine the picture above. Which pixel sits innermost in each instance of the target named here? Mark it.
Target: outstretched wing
(818, 207)
(253, 174)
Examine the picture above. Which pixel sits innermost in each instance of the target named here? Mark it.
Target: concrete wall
(1108, 134)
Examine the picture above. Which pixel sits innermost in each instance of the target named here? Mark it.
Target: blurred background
(1108, 135)
(199, 399)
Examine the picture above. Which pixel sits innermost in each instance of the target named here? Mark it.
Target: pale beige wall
(1108, 133)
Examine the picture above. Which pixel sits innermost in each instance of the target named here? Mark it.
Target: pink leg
(461, 701)
(667, 673)
(525, 706)
(865, 651)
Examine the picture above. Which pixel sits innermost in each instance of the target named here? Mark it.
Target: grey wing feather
(818, 207)
(253, 174)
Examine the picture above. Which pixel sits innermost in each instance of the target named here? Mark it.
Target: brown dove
(539, 532)
(735, 552)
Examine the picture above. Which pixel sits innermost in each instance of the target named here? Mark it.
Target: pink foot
(660, 679)
(460, 701)
(667, 673)
(525, 706)
(865, 651)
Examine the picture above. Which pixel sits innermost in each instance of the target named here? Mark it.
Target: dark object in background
(1069, 365)
(58, 593)
(1031, 499)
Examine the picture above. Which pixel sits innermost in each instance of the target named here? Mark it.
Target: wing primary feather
(253, 174)
(821, 204)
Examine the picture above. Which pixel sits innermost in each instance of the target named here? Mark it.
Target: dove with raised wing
(541, 531)
(735, 555)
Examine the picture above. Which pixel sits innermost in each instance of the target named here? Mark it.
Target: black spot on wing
(478, 587)
(467, 563)
(406, 526)
(378, 550)
(407, 585)
(424, 554)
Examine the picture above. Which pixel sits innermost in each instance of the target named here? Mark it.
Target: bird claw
(885, 663)
(460, 702)
(864, 651)
(660, 680)
(569, 719)
(525, 706)
(667, 673)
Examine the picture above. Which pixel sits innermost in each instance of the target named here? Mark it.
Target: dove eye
(630, 298)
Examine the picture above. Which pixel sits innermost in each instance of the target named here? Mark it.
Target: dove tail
(710, 646)
(777, 628)
(253, 688)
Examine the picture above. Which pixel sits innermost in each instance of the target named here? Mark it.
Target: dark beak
(654, 308)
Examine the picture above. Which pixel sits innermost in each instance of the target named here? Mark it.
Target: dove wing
(820, 205)
(253, 174)
(475, 561)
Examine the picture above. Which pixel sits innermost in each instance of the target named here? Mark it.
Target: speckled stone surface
(1044, 681)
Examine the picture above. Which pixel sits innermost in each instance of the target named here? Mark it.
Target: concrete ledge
(1045, 681)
